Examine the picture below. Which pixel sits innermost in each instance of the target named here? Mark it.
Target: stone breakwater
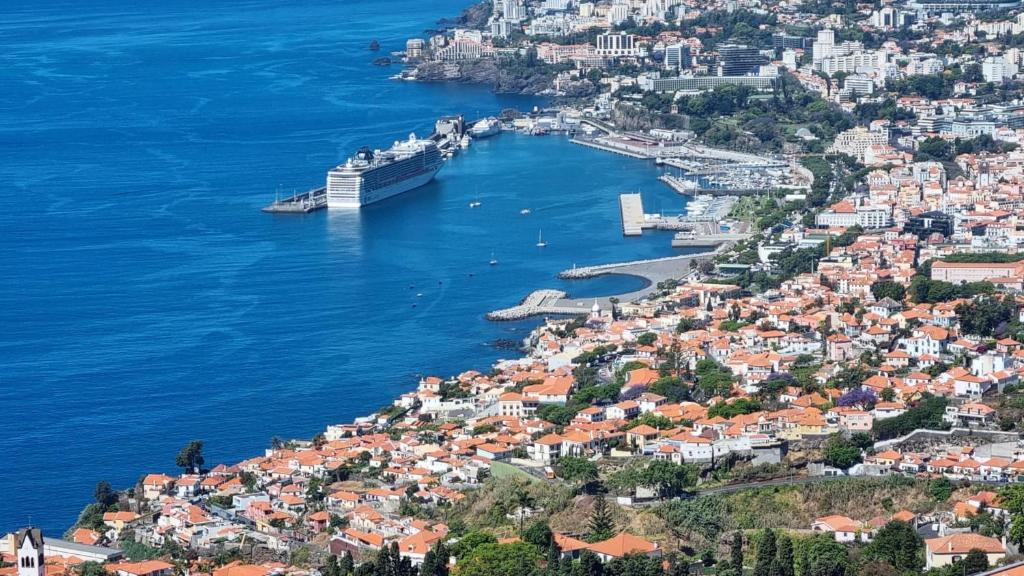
(539, 302)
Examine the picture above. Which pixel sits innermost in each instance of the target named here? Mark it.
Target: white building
(616, 45)
(857, 140)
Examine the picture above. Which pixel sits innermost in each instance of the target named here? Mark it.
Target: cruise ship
(373, 175)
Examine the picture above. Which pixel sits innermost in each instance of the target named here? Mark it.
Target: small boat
(525, 211)
(493, 261)
(474, 204)
(419, 295)
(540, 240)
(464, 141)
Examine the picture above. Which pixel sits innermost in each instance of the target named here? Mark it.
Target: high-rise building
(823, 45)
(739, 60)
(618, 13)
(677, 56)
(513, 10)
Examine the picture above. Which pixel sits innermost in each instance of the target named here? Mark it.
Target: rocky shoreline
(503, 80)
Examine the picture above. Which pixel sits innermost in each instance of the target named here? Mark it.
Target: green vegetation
(190, 458)
(735, 408)
(986, 316)
(665, 477)
(888, 289)
(898, 545)
(926, 414)
(841, 453)
(601, 526)
(713, 379)
(925, 290)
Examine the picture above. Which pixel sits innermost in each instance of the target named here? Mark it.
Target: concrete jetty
(550, 302)
(540, 302)
(631, 207)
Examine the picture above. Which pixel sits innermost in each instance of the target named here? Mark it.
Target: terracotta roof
(622, 544)
(964, 543)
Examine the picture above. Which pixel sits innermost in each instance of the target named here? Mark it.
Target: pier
(550, 302)
(631, 208)
(691, 188)
(309, 201)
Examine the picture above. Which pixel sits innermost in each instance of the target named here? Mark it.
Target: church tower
(29, 542)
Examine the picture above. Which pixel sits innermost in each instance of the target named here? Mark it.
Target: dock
(304, 203)
(631, 207)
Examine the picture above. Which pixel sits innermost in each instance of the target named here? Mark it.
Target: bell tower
(29, 542)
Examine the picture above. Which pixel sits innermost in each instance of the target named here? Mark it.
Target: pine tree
(347, 564)
(784, 556)
(331, 567)
(443, 555)
(429, 565)
(554, 554)
(765, 554)
(736, 551)
(601, 525)
(591, 564)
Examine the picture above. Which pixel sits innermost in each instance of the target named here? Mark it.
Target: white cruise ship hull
(376, 195)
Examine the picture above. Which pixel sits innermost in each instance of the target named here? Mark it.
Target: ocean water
(146, 301)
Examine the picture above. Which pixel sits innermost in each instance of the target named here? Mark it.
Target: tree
(784, 562)
(331, 568)
(898, 544)
(347, 564)
(515, 559)
(647, 338)
(975, 561)
(556, 414)
(471, 541)
(435, 561)
(888, 289)
(601, 525)
(940, 489)
(736, 551)
(92, 569)
(190, 458)
(314, 493)
(765, 554)
(823, 556)
(576, 470)
(590, 564)
(634, 565)
(539, 534)
(105, 494)
(985, 315)
(668, 477)
(841, 453)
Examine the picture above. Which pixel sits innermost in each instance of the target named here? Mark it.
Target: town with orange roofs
(834, 391)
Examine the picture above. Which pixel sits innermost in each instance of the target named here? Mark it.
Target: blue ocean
(146, 301)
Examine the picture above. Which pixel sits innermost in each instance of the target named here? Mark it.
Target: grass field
(503, 470)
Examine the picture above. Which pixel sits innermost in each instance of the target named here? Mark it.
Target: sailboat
(493, 261)
(540, 240)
